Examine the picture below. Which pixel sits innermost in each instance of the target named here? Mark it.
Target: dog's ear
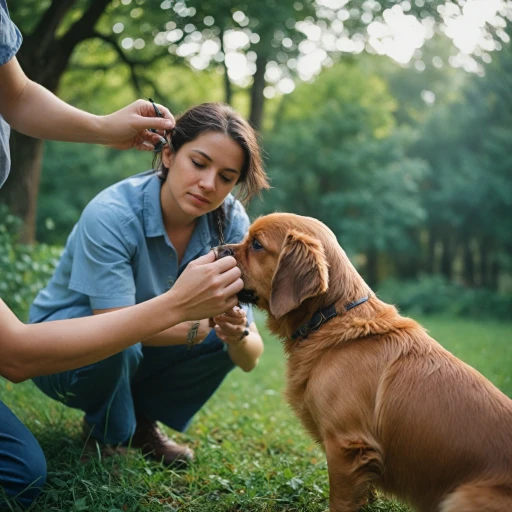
(302, 272)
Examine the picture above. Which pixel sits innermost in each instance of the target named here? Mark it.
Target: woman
(206, 287)
(130, 245)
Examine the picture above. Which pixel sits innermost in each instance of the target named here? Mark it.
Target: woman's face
(202, 173)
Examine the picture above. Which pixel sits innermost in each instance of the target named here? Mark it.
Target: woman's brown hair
(217, 117)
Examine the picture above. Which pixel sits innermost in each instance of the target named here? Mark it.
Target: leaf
(295, 483)
(58, 482)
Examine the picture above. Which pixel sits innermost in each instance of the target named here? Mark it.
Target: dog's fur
(389, 405)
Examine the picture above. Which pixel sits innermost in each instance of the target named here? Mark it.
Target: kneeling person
(130, 245)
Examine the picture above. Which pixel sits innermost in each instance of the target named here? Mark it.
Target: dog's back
(441, 423)
(437, 422)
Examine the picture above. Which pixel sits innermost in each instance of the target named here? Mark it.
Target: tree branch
(84, 27)
(130, 63)
(159, 96)
(44, 33)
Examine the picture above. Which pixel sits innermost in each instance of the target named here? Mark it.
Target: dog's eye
(256, 245)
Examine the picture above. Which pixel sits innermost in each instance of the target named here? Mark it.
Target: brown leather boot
(91, 446)
(155, 444)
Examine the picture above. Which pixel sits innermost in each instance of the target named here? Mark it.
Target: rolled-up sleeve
(10, 37)
(102, 266)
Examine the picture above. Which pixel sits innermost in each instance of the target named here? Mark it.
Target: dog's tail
(479, 496)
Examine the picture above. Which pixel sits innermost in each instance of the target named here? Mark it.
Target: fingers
(156, 123)
(230, 276)
(228, 332)
(219, 266)
(145, 146)
(224, 264)
(229, 329)
(236, 314)
(232, 290)
(146, 116)
(165, 112)
(233, 300)
(149, 140)
(205, 259)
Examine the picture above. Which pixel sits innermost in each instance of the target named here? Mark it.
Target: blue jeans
(22, 463)
(167, 384)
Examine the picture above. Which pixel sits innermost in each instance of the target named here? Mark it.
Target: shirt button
(170, 281)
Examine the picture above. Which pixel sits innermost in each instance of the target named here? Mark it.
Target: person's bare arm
(246, 354)
(33, 110)
(206, 287)
(175, 335)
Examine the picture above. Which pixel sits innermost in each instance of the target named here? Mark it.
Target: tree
(337, 156)
(157, 31)
(468, 196)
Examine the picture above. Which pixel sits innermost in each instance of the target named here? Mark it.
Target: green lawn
(252, 454)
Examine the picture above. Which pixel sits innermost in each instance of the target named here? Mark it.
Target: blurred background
(390, 121)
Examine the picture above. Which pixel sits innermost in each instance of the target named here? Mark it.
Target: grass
(252, 454)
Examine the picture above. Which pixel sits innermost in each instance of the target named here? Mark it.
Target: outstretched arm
(206, 287)
(33, 110)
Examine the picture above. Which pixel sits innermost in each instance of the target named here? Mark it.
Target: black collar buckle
(322, 316)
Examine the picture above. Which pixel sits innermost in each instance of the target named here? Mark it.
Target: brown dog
(389, 405)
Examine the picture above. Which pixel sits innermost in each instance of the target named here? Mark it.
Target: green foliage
(25, 269)
(72, 177)
(336, 155)
(434, 294)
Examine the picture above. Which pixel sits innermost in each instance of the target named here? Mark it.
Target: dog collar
(322, 316)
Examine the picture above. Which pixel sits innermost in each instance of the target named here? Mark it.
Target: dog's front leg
(354, 464)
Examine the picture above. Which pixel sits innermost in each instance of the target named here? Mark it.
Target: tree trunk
(20, 194)
(228, 90)
(446, 258)
(408, 265)
(484, 262)
(431, 253)
(469, 263)
(257, 97)
(278, 116)
(494, 274)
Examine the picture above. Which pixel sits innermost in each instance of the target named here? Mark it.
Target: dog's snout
(225, 251)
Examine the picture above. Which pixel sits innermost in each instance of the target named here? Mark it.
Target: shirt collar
(154, 223)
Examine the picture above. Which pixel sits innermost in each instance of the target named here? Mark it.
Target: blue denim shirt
(119, 253)
(10, 42)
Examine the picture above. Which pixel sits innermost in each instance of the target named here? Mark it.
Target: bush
(24, 269)
(434, 294)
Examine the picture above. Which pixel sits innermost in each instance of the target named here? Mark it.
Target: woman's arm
(246, 353)
(206, 287)
(175, 335)
(33, 110)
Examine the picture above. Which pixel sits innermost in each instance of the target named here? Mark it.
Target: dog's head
(287, 259)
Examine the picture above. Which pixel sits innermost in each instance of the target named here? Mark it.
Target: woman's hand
(230, 326)
(129, 127)
(207, 287)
